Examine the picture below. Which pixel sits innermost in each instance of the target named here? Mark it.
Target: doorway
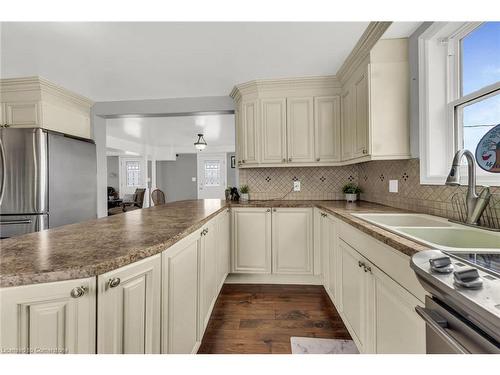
(212, 179)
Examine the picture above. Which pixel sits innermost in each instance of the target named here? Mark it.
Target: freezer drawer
(15, 225)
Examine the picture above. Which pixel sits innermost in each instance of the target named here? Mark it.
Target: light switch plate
(393, 186)
(193, 179)
(296, 186)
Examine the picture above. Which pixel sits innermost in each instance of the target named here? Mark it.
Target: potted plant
(244, 189)
(351, 192)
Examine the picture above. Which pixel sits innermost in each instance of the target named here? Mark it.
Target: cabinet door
(398, 328)
(23, 114)
(49, 318)
(300, 130)
(250, 135)
(128, 309)
(324, 243)
(360, 136)
(347, 124)
(223, 247)
(334, 264)
(273, 133)
(355, 295)
(180, 296)
(208, 273)
(292, 241)
(251, 238)
(327, 128)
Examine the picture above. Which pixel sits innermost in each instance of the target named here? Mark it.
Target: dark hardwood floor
(257, 319)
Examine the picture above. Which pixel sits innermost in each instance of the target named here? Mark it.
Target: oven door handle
(437, 327)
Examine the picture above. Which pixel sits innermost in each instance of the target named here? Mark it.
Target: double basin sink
(436, 232)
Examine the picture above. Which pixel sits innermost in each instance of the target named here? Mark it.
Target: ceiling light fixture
(200, 144)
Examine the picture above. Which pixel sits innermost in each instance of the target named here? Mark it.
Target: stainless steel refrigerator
(47, 179)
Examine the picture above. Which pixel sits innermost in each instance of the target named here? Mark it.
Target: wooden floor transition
(258, 319)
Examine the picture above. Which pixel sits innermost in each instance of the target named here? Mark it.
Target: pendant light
(200, 144)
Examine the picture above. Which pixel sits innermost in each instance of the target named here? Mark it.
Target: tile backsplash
(325, 183)
(317, 183)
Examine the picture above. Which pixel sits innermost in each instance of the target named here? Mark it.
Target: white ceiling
(117, 61)
(163, 137)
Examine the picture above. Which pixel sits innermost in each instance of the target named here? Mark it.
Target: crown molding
(370, 37)
(295, 83)
(38, 83)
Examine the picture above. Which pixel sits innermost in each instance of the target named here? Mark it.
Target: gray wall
(174, 178)
(113, 171)
(231, 172)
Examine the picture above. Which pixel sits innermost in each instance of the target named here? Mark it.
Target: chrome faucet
(476, 203)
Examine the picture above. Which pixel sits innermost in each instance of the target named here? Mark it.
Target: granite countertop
(97, 246)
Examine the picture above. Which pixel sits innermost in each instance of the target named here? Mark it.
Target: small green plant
(244, 189)
(351, 188)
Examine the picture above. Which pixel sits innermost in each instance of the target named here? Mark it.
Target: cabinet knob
(274, 209)
(289, 159)
(360, 264)
(365, 151)
(284, 160)
(268, 210)
(243, 161)
(114, 282)
(78, 291)
(318, 159)
(368, 269)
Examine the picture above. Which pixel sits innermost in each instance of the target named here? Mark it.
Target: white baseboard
(253, 278)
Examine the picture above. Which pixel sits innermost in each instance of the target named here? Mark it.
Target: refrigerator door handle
(2, 185)
(22, 221)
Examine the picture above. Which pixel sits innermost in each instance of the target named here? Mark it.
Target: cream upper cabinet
(208, 283)
(327, 129)
(249, 118)
(273, 131)
(347, 125)
(180, 296)
(251, 228)
(375, 109)
(128, 309)
(360, 117)
(288, 130)
(36, 102)
(300, 130)
(398, 328)
(292, 242)
(52, 318)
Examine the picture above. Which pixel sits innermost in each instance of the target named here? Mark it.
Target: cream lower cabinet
(377, 310)
(330, 258)
(208, 281)
(128, 309)
(292, 242)
(223, 223)
(51, 318)
(251, 252)
(398, 328)
(356, 297)
(180, 290)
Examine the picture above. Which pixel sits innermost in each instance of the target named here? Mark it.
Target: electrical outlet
(193, 179)
(296, 186)
(393, 186)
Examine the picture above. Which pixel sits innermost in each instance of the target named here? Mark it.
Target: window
(476, 108)
(133, 170)
(212, 173)
(459, 94)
